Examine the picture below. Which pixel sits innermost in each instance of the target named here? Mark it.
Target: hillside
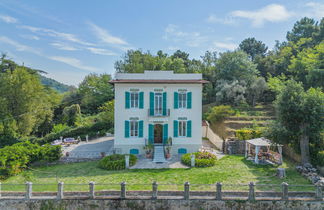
(58, 86)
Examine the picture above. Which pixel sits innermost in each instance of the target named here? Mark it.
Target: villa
(158, 108)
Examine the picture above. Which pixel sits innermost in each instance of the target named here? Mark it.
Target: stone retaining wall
(199, 204)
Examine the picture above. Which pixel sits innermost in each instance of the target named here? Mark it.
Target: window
(134, 128)
(182, 100)
(134, 100)
(182, 128)
(158, 104)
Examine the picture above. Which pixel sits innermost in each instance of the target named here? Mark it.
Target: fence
(216, 191)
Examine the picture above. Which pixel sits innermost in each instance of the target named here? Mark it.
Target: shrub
(320, 158)
(219, 113)
(202, 159)
(246, 134)
(116, 162)
(51, 153)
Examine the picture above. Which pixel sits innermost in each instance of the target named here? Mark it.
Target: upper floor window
(182, 128)
(134, 99)
(134, 128)
(182, 100)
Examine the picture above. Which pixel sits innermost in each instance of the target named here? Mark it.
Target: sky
(71, 39)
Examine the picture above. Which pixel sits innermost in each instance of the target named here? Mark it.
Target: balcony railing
(158, 113)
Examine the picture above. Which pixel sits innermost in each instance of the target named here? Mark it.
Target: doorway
(158, 134)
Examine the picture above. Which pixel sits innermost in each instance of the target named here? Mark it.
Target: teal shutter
(165, 133)
(126, 129)
(151, 133)
(141, 100)
(189, 96)
(189, 128)
(164, 103)
(176, 103)
(140, 128)
(127, 100)
(175, 128)
(151, 104)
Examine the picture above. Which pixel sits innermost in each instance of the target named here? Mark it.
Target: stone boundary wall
(142, 204)
(235, 147)
(291, 154)
(207, 132)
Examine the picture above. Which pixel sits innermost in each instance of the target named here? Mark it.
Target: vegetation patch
(246, 134)
(116, 162)
(202, 159)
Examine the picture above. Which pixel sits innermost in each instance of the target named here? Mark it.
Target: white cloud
(62, 46)
(8, 19)
(18, 46)
(56, 34)
(73, 62)
(269, 13)
(224, 46)
(31, 37)
(316, 9)
(100, 51)
(105, 36)
(228, 20)
(191, 39)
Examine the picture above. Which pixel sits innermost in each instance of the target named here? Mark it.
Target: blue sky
(70, 39)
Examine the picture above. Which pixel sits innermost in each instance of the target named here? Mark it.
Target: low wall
(213, 138)
(235, 147)
(94, 204)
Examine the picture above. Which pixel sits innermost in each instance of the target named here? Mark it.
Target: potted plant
(148, 150)
(167, 154)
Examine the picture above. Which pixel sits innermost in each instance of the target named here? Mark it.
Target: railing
(159, 113)
(186, 191)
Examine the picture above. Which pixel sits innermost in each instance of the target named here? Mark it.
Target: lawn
(232, 171)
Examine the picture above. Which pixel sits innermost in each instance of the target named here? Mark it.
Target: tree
(304, 28)
(107, 112)
(228, 92)
(253, 48)
(256, 89)
(95, 90)
(299, 118)
(71, 114)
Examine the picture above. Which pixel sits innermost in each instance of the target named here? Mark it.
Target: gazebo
(254, 148)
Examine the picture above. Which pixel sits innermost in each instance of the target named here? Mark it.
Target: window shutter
(176, 103)
(189, 96)
(127, 100)
(151, 104)
(189, 128)
(151, 133)
(126, 129)
(165, 133)
(175, 128)
(140, 128)
(164, 102)
(141, 100)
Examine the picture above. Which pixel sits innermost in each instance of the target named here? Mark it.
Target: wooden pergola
(257, 144)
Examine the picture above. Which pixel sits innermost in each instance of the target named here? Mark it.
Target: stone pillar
(123, 190)
(154, 190)
(246, 150)
(29, 190)
(284, 195)
(60, 190)
(280, 152)
(319, 192)
(126, 161)
(87, 138)
(193, 160)
(186, 190)
(251, 191)
(256, 158)
(218, 191)
(92, 190)
(0, 189)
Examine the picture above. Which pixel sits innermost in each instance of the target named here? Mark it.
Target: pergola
(258, 143)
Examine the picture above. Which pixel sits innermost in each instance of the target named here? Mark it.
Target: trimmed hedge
(246, 134)
(116, 162)
(202, 159)
(15, 158)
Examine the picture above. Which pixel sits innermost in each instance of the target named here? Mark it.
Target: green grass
(230, 170)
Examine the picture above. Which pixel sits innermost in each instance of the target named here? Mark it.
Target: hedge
(82, 131)
(14, 158)
(202, 159)
(116, 162)
(246, 134)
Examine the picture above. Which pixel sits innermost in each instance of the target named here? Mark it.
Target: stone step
(159, 155)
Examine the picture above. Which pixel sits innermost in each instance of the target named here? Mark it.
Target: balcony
(158, 113)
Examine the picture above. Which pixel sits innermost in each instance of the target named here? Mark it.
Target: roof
(167, 81)
(261, 142)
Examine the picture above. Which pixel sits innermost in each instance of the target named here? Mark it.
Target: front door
(158, 134)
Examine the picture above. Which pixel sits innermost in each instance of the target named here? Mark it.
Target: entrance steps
(159, 155)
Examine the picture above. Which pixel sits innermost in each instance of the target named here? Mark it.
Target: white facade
(158, 84)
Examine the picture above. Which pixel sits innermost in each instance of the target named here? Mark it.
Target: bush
(116, 162)
(219, 113)
(51, 153)
(320, 158)
(202, 159)
(246, 134)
